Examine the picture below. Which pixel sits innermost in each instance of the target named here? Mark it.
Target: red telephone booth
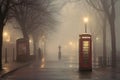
(22, 47)
(85, 52)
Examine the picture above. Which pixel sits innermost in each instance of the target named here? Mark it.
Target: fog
(71, 25)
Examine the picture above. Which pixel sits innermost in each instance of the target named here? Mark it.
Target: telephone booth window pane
(85, 43)
(85, 51)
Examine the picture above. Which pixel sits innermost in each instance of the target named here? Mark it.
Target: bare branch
(95, 4)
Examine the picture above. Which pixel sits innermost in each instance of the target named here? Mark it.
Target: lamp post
(7, 40)
(44, 45)
(85, 22)
(95, 55)
(59, 53)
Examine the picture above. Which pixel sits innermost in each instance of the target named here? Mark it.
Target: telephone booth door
(85, 52)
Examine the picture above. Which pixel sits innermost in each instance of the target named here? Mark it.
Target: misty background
(70, 25)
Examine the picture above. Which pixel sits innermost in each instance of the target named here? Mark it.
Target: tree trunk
(1, 42)
(25, 34)
(111, 18)
(35, 41)
(104, 41)
(35, 48)
(113, 41)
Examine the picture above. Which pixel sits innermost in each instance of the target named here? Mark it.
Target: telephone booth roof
(85, 35)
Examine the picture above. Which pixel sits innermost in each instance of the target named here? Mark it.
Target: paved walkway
(65, 69)
(13, 66)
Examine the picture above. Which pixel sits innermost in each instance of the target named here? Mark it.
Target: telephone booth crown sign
(85, 52)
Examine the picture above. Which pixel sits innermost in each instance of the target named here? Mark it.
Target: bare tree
(23, 14)
(104, 27)
(5, 8)
(35, 18)
(108, 8)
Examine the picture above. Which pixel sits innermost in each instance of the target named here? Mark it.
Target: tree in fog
(46, 27)
(24, 14)
(5, 9)
(102, 19)
(104, 27)
(108, 9)
(33, 17)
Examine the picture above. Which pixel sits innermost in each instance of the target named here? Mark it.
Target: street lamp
(6, 37)
(96, 39)
(85, 21)
(44, 45)
(7, 40)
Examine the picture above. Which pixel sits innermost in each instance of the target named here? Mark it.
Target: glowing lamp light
(85, 19)
(70, 43)
(30, 41)
(5, 34)
(42, 66)
(97, 38)
(7, 40)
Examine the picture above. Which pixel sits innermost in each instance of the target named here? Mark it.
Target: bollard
(6, 55)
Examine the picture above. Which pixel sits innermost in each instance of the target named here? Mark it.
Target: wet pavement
(13, 66)
(65, 69)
